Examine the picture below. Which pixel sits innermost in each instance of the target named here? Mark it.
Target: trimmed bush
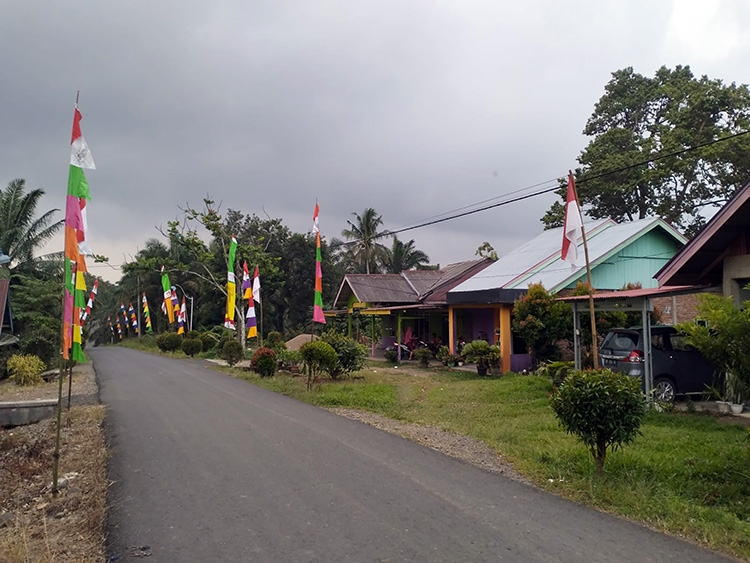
(161, 341)
(391, 356)
(192, 346)
(209, 341)
(319, 357)
(232, 352)
(275, 341)
(193, 334)
(172, 342)
(351, 356)
(424, 355)
(25, 369)
(602, 408)
(263, 362)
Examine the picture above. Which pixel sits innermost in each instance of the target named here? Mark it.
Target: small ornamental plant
(25, 369)
(424, 355)
(319, 357)
(351, 356)
(232, 352)
(264, 362)
(602, 408)
(192, 346)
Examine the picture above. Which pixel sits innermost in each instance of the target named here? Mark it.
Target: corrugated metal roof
(454, 274)
(539, 259)
(423, 280)
(380, 288)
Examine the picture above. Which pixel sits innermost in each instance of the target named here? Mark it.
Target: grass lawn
(688, 474)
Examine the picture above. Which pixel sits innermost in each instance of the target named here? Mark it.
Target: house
(618, 253)
(719, 254)
(413, 299)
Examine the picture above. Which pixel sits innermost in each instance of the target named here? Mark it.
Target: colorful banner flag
(256, 286)
(167, 303)
(111, 328)
(573, 229)
(181, 318)
(90, 303)
(318, 316)
(231, 286)
(133, 319)
(251, 324)
(119, 327)
(75, 265)
(124, 315)
(175, 303)
(146, 315)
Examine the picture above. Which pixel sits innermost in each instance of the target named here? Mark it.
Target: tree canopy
(640, 118)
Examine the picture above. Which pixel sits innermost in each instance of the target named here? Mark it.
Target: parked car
(678, 367)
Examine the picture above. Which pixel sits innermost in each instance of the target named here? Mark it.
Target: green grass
(688, 474)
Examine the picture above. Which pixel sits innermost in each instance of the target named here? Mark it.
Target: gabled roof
(701, 260)
(411, 286)
(539, 260)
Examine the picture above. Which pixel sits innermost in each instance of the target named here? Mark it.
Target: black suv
(678, 367)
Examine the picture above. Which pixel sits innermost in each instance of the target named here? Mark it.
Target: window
(680, 343)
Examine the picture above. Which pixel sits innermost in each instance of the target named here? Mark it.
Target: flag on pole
(75, 265)
(181, 318)
(124, 314)
(133, 318)
(175, 303)
(256, 286)
(231, 286)
(251, 324)
(573, 229)
(90, 303)
(146, 314)
(109, 322)
(119, 327)
(318, 316)
(167, 303)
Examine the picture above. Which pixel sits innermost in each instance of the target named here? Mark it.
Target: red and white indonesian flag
(573, 229)
(80, 155)
(256, 286)
(316, 225)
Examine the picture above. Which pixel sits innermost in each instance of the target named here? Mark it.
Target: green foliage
(442, 354)
(424, 355)
(25, 369)
(275, 341)
(232, 352)
(169, 341)
(209, 341)
(351, 356)
(486, 250)
(556, 371)
(725, 340)
(319, 357)
(364, 256)
(639, 118)
(41, 342)
(391, 356)
(192, 334)
(541, 322)
(264, 362)
(192, 346)
(289, 359)
(161, 341)
(478, 351)
(602, 408)
(402, 256)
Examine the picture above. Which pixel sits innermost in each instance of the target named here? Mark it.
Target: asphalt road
(208, 468)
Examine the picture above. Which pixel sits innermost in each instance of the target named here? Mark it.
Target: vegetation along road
(207, 467)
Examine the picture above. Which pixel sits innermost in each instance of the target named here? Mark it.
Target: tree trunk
(601, 453)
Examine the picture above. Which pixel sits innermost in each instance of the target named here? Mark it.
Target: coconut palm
(363, 233)
(403, 256)
(21, 233)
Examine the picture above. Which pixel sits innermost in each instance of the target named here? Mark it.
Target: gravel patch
(460, 447)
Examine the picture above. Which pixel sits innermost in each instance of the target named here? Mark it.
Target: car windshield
(625, 341)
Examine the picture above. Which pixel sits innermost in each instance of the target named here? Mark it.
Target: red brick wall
(686, 307)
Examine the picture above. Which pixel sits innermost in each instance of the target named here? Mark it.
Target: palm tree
(365, 250)
(21, 234)
(403, 256)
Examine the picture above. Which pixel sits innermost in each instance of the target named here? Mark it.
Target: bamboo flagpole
(318, 316)
(572, 231)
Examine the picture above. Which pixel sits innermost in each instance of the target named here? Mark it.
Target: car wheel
(664, 390)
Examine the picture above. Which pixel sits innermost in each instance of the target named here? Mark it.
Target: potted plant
(737, 393)
(495, 359)
(478, 351)
(424, 355)
(442, 355)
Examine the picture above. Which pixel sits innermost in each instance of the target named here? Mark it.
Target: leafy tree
(364, 252)
(21, 233)
(402, 256)
(639, 118)
(541, 322)
(603, 409)
(319, 357)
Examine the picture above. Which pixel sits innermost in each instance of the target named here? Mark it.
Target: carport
(627, 301)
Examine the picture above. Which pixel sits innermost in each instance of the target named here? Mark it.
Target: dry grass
(42, 528)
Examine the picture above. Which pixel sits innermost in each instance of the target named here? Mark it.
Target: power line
(548, 190)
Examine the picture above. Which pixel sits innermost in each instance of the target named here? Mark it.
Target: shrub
(148, 340)
(25, 369)
(224, 339)
(232, 352)
(161, 341)
(391, 356)
(275, 341)
(319, 357)
(443, 353)
(193, 334)
(209, 340)
(351, 356)
(541, 321)
(556, 371)
(263, 362)
(172, 342)
(43, 343)
(603, 409)
(192, 346)
(289, 359)
(478, 351)
(424, 355)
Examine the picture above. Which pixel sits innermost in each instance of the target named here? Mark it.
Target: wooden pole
(594, 343)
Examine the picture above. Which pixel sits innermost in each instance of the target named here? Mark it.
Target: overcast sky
(414, 108)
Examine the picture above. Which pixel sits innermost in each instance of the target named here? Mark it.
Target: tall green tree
(403, 256)
(22, 233)
(363, 252)
(639, 118)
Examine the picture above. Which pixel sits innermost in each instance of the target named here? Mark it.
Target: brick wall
(685, 309)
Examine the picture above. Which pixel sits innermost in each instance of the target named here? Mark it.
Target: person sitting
(412, 344)
(460, 345)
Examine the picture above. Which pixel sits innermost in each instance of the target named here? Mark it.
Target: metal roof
(539, 260)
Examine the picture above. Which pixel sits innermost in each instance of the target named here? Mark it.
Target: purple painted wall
(483, 322)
